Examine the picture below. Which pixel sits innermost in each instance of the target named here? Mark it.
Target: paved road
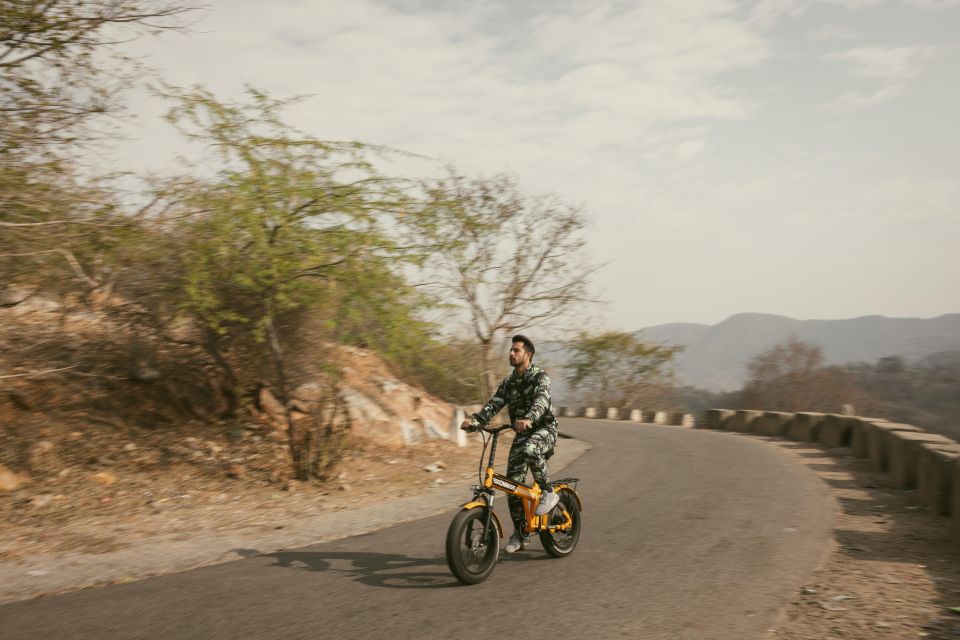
(687, 534)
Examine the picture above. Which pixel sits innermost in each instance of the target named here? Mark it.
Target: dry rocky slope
(124, 451)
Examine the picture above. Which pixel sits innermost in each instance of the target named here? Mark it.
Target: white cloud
(891, 67)
(829, 32)
(680, 125)
(855, 100)
(934, 4)
(886, 63)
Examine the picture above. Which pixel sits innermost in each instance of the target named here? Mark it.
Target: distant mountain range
(715, 357)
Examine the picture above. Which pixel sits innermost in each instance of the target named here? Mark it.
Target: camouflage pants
(527, 452)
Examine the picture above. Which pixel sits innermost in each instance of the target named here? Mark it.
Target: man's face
(519, 355)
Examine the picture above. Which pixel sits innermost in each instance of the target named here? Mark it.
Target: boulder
(105, 478)
(9, 481)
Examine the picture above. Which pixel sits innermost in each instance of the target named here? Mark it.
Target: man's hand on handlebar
(468, 425)
(522, 425)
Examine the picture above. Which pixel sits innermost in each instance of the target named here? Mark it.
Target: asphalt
(686, 534)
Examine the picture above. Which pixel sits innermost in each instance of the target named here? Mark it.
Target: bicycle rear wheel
(470, 558)
(560, 543)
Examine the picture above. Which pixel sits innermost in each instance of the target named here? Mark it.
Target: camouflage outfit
(526, 397)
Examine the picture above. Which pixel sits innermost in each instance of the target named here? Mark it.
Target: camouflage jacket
(526, 396)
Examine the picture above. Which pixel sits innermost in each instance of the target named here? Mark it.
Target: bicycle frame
(529, 496)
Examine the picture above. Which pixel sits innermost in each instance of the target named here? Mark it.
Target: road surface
(686, 534)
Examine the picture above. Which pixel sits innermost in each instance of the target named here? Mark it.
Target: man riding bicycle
(526, 393)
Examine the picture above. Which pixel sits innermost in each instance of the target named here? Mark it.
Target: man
(526, 393)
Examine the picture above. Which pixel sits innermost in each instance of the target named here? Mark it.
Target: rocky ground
(95, 511)
(894, 572)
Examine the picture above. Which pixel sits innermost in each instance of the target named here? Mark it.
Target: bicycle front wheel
(472, 558)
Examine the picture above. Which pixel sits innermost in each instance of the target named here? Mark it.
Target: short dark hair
(527, 343)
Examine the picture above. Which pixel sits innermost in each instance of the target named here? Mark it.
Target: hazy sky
(781, 156)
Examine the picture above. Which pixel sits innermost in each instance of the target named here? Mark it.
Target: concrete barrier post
(570, 412)
(661, 417)
(455, 432)
(836, 431)
(715, 418)
(636, 415)
(613, 413)
(904, 450)
(935, 465)
(743, 420)
(689, 420)
(772, 423)
(590, 412)
(805, 426)
(955, 504)
(858, 437)
(878, 450)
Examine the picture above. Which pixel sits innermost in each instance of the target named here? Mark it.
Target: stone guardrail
(909, 457)
(647, 416)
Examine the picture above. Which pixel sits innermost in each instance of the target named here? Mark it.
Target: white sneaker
(547, 502)
(517, 542)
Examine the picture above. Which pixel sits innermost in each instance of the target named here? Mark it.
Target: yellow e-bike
(473, 539)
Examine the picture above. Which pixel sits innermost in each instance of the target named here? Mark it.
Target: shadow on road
(391, 570)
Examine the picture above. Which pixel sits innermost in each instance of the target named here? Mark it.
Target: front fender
(477, 504)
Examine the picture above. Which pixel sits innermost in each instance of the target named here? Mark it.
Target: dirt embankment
(107, 439)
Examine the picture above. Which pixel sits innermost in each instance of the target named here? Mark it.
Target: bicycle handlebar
(496, 429)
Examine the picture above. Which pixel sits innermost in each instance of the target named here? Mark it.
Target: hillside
(716, 356)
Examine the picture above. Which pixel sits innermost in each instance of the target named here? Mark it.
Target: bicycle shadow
(389, 570)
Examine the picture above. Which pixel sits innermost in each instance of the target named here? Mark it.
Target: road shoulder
(143, 555)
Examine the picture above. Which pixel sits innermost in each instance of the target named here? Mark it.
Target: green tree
(618, 369)
(274, 235)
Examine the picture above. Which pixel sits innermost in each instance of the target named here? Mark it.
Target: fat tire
(465, 524)
(560, 544)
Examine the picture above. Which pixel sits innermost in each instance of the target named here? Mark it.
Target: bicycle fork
(488, 515)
